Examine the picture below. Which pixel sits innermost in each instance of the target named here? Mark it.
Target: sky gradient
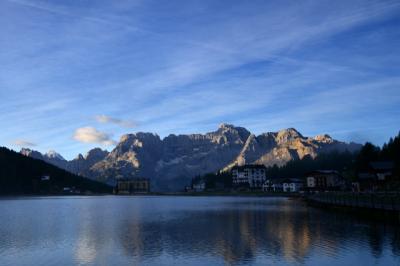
(79, 74)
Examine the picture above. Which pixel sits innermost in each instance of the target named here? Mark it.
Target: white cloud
(24, 143)
(92, 135)
(108, 119)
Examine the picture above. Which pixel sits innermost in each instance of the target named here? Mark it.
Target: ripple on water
(187, 231)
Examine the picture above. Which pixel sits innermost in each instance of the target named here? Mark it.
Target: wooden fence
(378, 201)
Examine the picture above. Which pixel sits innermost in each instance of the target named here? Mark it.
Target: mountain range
(21, 175)
(173, 161)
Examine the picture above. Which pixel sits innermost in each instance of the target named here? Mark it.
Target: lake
(167, 230)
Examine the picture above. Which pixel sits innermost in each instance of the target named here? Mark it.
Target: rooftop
(249, 166)
(324, 172)
(386, 165)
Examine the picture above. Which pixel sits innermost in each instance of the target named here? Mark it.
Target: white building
(311, 182)
(273, 185)
(45, 178)
(324, 180)
(252, 176)
(283, 185)
(267, 186)
(292, 185)
(199, 186)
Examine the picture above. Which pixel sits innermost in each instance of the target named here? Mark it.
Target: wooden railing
(382, 201)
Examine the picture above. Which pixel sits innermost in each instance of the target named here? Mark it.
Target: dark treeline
(347, 163)
(22, 175)
(389, 152)
(340, 161)
(220, 179)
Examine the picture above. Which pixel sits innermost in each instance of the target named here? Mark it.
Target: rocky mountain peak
(288, 134)
(51, 154)
(79, 157)
(171, 162)
(126, 138)
(26, 151)
(226, 126)
(141, 136)
(32, 153)
(325, 138)
(230, 133)
(50, 157)
(96, 153)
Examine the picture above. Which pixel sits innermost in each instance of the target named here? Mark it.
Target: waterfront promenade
(389, 201)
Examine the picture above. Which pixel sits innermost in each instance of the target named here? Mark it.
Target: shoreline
(189, 194)
(359, 211)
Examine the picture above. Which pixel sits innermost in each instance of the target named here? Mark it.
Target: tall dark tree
(23, 175)
(340, 161)
(367, 154)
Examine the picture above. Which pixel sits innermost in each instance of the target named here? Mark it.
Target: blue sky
(79, 74)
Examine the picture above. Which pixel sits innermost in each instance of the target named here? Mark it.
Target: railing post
(392, 200)
(357, 200)
(372, 201)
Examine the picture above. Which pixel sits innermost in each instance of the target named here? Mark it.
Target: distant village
(372, 170)
(254, 178)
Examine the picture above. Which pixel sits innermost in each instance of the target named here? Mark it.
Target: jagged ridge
(174, 160)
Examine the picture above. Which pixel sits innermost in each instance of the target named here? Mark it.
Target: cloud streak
(263, 65)
(105, 119)
(24, 143)
(92, 135)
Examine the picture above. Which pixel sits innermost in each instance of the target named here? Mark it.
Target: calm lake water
(112, 230)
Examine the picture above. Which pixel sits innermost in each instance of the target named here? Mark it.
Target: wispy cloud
(92, 135)
(24, 143)
(105, 119)
(264, 65)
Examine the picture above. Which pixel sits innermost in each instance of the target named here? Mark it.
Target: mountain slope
(51, 157)
(171, 162)
(80, 165)
(22, 175)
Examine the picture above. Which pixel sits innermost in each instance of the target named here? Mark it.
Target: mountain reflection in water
(188, 231)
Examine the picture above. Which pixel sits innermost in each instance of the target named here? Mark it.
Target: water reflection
(287, 231)
(87, 243)
(188, 230)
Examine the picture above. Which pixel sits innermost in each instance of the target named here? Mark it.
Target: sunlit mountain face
(173, 161)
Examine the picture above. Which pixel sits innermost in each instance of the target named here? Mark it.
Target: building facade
(273, 185)
(324, 180)
(377, 176)
(252, 176)
(132, 186)
(283, 185)
(292, 185)
(199, 186)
